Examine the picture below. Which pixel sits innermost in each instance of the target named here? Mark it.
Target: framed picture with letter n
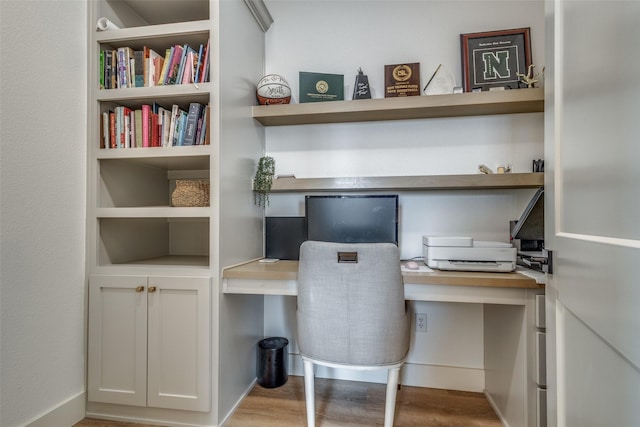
(495, 58)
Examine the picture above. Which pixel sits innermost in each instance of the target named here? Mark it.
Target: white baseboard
(64, 415)
(411, 374)
(496, 409)
(443, 377)
(149, 415)
(233, 410)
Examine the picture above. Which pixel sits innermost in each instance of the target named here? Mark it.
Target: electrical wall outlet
(421, 322)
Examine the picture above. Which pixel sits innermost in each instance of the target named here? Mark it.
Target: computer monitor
(283, 236)
(529, 229)
(352, 218)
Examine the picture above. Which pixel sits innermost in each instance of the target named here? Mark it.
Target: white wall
(341, 36)
(42, 142)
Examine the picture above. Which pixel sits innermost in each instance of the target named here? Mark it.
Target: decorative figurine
(529, 79)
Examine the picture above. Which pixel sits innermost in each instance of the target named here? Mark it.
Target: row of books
(125, 67)
(154, 126)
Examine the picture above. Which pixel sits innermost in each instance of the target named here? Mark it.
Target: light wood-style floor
(350, 403)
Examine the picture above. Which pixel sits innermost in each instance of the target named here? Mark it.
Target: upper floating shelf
(398, 183)
(412, 107)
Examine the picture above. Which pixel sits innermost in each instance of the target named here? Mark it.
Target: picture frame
(493, 59)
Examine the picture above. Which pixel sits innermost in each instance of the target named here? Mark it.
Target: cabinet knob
(152, 289)
(140, 289)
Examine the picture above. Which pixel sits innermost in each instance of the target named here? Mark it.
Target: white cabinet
(149, 341)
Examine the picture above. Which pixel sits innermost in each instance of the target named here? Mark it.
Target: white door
(592, 153)
(117, 343)
(179, 343)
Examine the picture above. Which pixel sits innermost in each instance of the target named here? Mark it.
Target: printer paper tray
(497, 266)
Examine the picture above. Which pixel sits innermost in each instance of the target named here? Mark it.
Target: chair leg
(390, 404)
(309, 392)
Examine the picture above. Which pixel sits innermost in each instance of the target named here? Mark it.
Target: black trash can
(272, 362)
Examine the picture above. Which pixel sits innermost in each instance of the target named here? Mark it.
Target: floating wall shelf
(412, 107)
(400, 183)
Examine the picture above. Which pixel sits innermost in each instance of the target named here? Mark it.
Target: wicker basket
(190, 193)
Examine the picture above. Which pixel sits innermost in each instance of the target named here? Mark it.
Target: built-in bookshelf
(149, 119)
(151, 263)
(151, 122)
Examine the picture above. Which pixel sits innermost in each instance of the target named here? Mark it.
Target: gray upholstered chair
(351, 313)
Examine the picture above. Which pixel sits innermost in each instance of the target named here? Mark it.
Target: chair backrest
(351, 311)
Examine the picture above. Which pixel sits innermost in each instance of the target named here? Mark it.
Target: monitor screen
(352, 219)
(530, 226)
(284, 235)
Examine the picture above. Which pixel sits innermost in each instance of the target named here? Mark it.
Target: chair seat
(334, 365)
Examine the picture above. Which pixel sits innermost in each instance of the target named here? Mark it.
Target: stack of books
(125, 67)
(154, 126)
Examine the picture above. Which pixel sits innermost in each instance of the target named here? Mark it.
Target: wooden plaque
(402, 80)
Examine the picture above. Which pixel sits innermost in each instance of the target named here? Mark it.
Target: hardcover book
(146, 119)
(138, 62)
(203, 134)
(204, 66)
(102, 59)
(174, 66)
(185, 75)
(112, 130)
(165, 66)
(138, 128)
(196, 77)
(319, 87)
(152, 67)
(113, 70)
(164, 121)
(195, 111)
(107, 69)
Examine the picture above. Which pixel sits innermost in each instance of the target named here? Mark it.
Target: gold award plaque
(402, 80)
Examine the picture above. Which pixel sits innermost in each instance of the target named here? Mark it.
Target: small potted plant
(263, 180)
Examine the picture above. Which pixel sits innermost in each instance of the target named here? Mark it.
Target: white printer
(464, 254)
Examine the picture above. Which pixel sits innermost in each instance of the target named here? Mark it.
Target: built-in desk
(280, 278)
(510, 306)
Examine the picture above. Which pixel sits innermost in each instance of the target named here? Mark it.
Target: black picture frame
(495, 58)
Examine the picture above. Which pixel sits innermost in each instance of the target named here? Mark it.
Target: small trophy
(361, 87)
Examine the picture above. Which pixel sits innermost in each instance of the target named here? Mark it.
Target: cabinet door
(179, 343)
(117, 340)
